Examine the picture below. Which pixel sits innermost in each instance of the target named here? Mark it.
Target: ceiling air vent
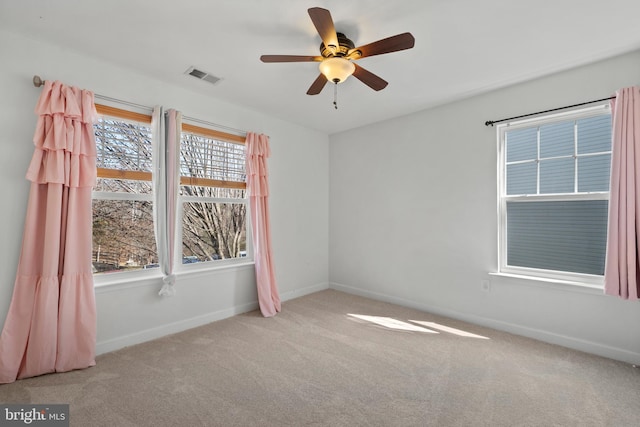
(202, 75)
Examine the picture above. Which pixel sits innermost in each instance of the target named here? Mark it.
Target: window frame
(139, 119)
(106, 278)
(588, 280)
(182, 199)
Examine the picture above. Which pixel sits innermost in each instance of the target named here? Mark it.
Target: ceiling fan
(337, 54)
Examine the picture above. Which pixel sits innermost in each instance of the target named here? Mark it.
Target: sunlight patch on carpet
(448, 329)
(414, 326)
(391, 323)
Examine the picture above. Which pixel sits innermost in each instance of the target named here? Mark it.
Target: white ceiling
(463, 47)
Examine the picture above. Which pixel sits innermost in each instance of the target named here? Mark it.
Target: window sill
(118, 281)
(200, 270)
(549, 283)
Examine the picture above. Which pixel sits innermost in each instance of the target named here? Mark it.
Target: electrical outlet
(485, 285)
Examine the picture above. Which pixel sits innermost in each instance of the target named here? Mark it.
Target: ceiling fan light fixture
(337, 69)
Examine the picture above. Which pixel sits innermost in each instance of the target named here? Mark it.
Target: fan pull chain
(335, 95)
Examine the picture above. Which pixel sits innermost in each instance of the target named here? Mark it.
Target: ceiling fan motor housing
(344, 48)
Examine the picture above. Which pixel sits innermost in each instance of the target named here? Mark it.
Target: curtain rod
(492, 122)
(37, 82)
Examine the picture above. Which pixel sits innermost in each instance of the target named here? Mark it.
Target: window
(123, 234)
(212, 203)
(553, 195)
(212, 196)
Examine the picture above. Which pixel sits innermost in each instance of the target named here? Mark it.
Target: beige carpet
(315, 364)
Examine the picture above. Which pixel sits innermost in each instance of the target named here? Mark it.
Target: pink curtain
(622, 267)
(51, 323)
(257, 151)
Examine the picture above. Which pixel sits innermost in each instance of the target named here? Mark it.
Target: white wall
(413, 217)
(128, 314)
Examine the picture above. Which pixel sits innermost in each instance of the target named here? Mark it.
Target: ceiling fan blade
(323, 22)
(317, 86)
(390, 44)
(290, 58)
(368, 78)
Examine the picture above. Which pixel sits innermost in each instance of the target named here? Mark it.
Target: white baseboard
(193, 322)
(171, 328)
(297, 293)
(538, 334)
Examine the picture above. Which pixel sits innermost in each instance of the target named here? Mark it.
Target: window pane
(594, 134)
(522, 144)
(556, 140)
(123, 145)
(202, 157)
(558, 235)
(213, 231)
(123, 186)
(594, 173)
(521, 178)
(123, 236)
(557, 176)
